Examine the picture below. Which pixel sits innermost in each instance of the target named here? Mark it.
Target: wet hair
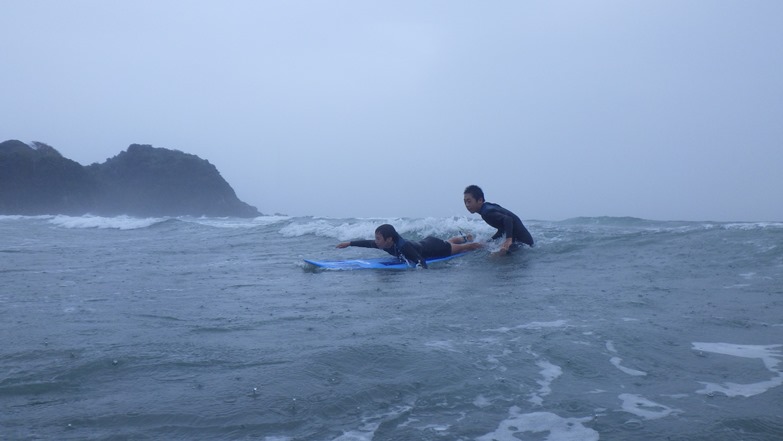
(475, 191)
(388, 231)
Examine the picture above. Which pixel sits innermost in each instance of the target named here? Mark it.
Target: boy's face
(472, 204)
(383, 243)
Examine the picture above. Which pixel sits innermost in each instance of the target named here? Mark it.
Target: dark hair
(387, 231)
(474, 191)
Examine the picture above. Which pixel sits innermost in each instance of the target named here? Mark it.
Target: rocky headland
(145, 181)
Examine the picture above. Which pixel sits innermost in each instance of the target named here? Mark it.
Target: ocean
(204, 328)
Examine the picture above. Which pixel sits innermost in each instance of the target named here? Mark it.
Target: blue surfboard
(376, 263)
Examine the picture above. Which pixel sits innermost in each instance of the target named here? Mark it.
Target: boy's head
(474, 198)
(385, 236)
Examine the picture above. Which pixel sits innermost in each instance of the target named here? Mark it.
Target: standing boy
(507, 223)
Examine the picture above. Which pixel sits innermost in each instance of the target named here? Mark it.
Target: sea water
(201, 328)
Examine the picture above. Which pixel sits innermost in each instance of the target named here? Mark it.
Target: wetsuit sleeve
(410, 253)
(508, 225)
(496, 218)
(364, 243)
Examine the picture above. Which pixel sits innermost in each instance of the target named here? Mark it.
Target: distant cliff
(142, 181)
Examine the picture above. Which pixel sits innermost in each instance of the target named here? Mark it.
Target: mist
(661, 110)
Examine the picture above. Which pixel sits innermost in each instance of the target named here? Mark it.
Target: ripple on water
(576, 406)
(633, 424)
(754, 429)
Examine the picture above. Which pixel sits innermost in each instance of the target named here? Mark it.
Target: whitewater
(215, 328)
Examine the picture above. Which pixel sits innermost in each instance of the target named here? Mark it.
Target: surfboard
(375, 263)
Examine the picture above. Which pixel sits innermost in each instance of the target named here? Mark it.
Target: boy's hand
(343, 244)
(506, 245)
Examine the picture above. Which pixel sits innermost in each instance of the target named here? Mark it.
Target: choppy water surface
(610, 329)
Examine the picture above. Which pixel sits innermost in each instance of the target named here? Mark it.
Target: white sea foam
(616, 361)
(240, 222)
(370, 424)
(559, 428)
(550, 372)
(12, 217)
(481, 402)
(676, 396)
(645, 408)
(320, 227)
(132, 223)
(769, 355)
(365, 228)
(531, 325)
(442, 345)
(99, 222)
(753, 225)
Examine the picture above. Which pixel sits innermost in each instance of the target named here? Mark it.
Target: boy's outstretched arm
(358, 243)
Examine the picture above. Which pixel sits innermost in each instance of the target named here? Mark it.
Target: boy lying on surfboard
(387, 239)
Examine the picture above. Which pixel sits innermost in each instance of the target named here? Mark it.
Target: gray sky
(663, 109)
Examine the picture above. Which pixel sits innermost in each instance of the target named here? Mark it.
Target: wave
(99, 222)
(599, 228)
(346, 229)
(231, 222)
(748, 242)
(125, 222)
(12, 217)
(753, 225)
(604, 223)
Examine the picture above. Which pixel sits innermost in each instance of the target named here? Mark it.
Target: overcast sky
(667, 110)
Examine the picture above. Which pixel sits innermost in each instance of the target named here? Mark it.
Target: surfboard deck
(375, 263)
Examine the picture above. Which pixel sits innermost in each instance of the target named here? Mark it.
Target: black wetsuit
(507, 223)
(414, 252)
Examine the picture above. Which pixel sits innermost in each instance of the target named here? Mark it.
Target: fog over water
(661, 110)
